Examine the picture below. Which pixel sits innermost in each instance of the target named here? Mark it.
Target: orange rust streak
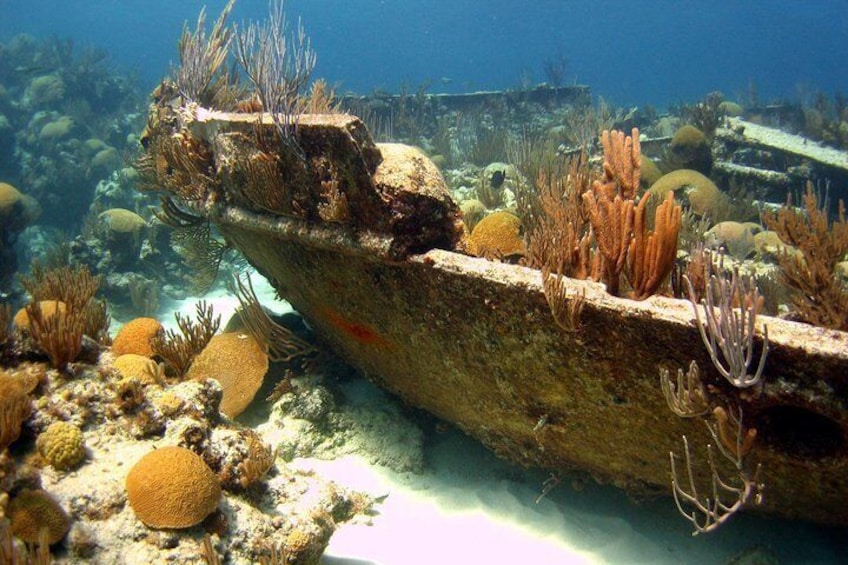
(360, 332)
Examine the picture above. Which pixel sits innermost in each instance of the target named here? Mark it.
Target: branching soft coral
(817, 294)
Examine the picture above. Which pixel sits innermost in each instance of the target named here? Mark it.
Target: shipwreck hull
(473, 341)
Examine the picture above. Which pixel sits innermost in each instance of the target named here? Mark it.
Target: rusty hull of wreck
(473, 342)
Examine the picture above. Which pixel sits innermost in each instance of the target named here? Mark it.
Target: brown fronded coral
(179, 348)
(62, 311)
(281, 343)
(59, 334)
(5, 321)
(75, 286)
(561, 241)
(817, 294)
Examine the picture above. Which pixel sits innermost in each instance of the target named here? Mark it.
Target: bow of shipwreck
(365, 242)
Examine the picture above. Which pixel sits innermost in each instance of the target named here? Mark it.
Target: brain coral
(135, 336)
(238, 362)
(121, 220)
(107, 159)
(498, 234)
(57, 129)
(702, 195)
(131, 365)
(472, 212)
(32, 510)
(15, 405)
(10, 197)
(691, 149)
(16, 209)
(650, 172)
(61, 445)
(171, 487)
(48, 309)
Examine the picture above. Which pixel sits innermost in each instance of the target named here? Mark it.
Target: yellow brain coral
(61, 445)
(121, 220)
(9, 199)
(172, 487)
(135, 336)
(48, 309)
(56, 129)
(32, 510)
(15, 405)
(702, 195)
(498, 234)
(138, 367)
(238, 362)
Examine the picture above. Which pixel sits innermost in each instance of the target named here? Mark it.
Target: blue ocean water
(632, 53)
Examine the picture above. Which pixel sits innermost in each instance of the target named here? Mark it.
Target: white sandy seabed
(468, 507)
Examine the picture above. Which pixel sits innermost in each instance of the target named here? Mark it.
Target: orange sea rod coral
(135, 337)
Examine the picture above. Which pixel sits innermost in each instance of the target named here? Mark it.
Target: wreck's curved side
(474, 342)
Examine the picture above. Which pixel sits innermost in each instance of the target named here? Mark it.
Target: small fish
(446, 80)
(497, 180)
(31, 69)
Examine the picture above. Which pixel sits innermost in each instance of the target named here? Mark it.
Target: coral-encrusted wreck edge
(474, 343)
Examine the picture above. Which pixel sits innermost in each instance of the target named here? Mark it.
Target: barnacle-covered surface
(474, 343)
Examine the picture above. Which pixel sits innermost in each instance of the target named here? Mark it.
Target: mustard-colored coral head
(62, 445)
(135, 337)
(31, 510)
(497, 235)
(172, 487)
